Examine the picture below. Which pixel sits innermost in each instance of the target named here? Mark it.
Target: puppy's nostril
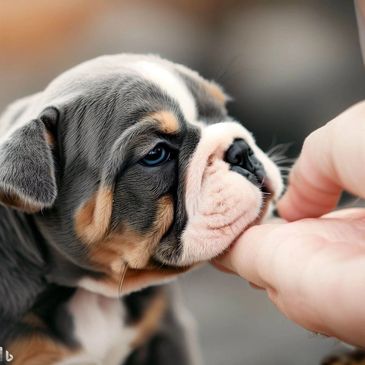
(243, 160)
(238, 153)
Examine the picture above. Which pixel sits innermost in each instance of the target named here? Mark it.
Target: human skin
(313, 266)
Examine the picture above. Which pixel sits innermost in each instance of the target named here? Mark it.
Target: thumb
(332, 160)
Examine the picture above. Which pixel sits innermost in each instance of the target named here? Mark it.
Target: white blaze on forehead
(170, 83)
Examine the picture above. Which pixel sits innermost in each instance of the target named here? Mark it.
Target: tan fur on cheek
(93, 218)
(132, 247)
(37, 350)
(151, 320)
(111, 254)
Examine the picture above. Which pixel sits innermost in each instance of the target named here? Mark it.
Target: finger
(312, 270)
(350, 213)
(215, 262)
(244, 255)
(332, 160)
(263, 249)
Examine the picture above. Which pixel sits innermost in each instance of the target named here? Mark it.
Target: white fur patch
(99, 328)
(113, 292)
(169, 83)
(98, 287)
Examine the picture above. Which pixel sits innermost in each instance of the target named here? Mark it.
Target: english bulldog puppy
(123, 173)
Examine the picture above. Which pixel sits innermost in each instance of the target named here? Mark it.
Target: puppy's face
(137, 166)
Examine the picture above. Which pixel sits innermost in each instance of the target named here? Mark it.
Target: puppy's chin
(122, 283)
(227, 204)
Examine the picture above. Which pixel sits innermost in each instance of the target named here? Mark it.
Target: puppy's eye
(157, 156)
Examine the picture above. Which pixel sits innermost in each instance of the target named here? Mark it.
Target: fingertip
(287, 209)
(290, 205)
(223, 263)
(308, 196)
(238, 259)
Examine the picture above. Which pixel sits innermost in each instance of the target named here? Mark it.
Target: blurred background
(290, 67)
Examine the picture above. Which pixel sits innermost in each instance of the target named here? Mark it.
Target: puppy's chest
(99, 326)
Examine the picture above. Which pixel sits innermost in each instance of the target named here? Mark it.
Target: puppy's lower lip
(258, 178)
(247, 174)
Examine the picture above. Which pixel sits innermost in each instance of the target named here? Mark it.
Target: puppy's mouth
(232, 199)
(242, 160)
(267, 198)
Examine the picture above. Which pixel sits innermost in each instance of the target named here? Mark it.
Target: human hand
(314, 269)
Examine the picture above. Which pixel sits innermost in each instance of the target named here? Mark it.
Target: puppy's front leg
(174, 340)
(38, 349)
(169, 345)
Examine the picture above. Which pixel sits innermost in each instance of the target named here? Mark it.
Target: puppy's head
(132, 162)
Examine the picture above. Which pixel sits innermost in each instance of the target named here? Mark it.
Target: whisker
(273, 143)
(279, 149)
(284, 160)
(278, 156)
(122, 277)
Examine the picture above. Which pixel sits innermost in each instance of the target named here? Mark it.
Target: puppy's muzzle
(243, 161)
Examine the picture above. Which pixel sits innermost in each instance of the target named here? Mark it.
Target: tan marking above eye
(216, 92)
(92, 219)
(167, 121)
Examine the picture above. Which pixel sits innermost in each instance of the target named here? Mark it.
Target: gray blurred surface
(237, 325)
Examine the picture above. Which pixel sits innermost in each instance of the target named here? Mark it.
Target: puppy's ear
(27, 174)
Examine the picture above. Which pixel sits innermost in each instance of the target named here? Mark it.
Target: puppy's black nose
(243, 160)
